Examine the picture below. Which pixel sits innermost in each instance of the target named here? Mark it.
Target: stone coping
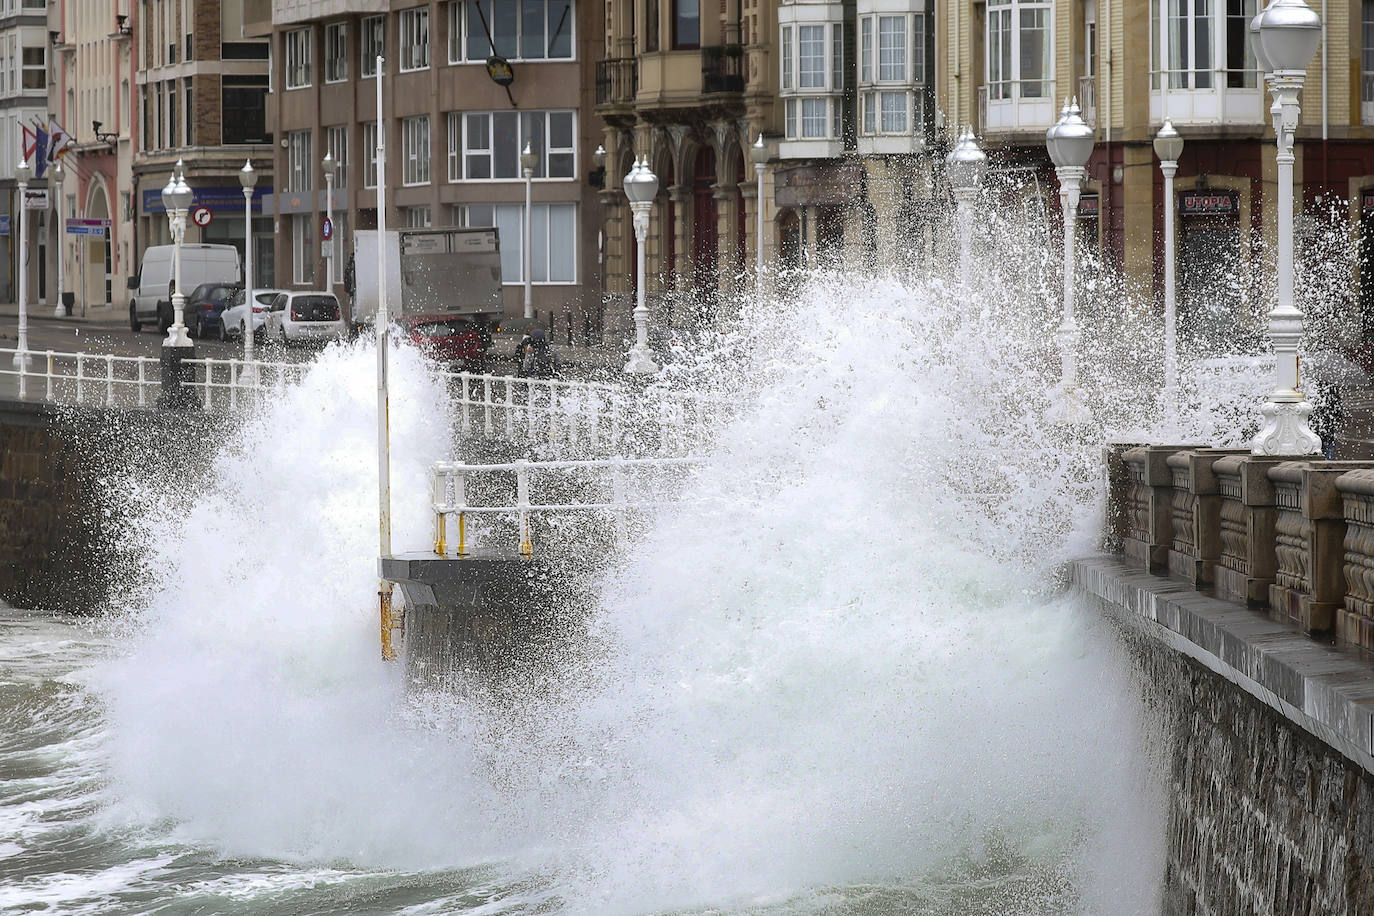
(1327, 690)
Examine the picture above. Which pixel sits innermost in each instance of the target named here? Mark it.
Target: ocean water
(840, 678)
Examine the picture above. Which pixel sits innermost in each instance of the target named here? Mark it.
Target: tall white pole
(529, 218)
(21, 358)
(58, 310)
(329, 215)
(248, 329)
(1285, 430)
(964, 198)
(1170, 169)
(1069, 401)
(758, 230)
(382, 325)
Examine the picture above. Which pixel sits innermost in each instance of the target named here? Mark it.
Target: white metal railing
(622, 493)
(580, 413)
(96, 379)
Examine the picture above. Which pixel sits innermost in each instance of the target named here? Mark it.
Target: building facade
(92, 99)
(24, 78)
(453, 134)
(201, 86)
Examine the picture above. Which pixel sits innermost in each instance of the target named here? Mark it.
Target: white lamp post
(1286, 35)
(57, 175)
(331, 171)
(759, 154)
(248, 178)
(22, 172)
(529, 160)
(1070, 143)
(1169, 147)
(176, 197)
(641, 185)
(965, 166)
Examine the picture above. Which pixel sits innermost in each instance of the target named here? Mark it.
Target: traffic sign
(326, 228)
(202, 216)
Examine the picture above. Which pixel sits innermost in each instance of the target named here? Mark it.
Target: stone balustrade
(1293, 536)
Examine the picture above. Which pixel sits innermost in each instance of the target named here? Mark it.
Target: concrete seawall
(1270, 762)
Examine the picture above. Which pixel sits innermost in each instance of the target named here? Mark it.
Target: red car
(458, 339)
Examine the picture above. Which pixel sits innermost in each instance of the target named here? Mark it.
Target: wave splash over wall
(837, 677)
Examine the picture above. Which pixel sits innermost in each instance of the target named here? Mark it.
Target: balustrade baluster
(109, 380)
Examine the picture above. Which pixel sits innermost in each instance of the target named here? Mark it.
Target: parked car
(205, 305)
(297, 316)
(150, 300)
(235, 318)
(460, 340)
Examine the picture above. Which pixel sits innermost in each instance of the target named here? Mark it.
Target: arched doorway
(93, 253)
(705, 236)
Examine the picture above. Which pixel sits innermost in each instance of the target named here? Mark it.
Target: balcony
(616, 82)
(1215, 98)
(1023, 106)
(722, 69)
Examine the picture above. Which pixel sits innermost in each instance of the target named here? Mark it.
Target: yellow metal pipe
(388, 621)
(462, 535)
(439, 545)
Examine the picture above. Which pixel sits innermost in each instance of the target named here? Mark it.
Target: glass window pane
(532, 29)
(866, 49)
(478, 46)
(504, 27)
(892, 48)
(563, 243)
(894, 112)
(1202, 44)
(560, 130)
(811, 57)
(560, 28)
(505, 129)
(787, 57)
(687, 23)
(539, 244)
(1035, 63)
(560, 165)
(508, 222)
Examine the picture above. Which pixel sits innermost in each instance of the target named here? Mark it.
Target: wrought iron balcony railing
(616, 81)
(722, 69)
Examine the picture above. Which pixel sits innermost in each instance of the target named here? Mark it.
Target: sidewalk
(100, 317)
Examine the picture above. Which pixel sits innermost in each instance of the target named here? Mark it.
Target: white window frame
(455, 30)
(414, 39)
(368, 50)
(336, 142)
(882, 84)
(512, 253)
(473, 24)
(546, 153)
(1367, 62)
(302, 243)
(1203, 84)
(419, 217)
(415, 150)
(1012, 85)
(824, 85)
(298, 68)
(455, 145)
(300, 161)
(336, 52)
(369, 154)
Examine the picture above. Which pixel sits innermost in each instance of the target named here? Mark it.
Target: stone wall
(63, 542)
(1263, 818)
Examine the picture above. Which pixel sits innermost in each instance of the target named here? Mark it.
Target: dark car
(205, 306)
(461, 340)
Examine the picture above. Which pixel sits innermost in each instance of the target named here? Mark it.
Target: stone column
(681, 196)
(727, 243)
(748, 199)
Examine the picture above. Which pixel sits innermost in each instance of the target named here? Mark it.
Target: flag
(39, 157)
(29, 144)
(58, 141)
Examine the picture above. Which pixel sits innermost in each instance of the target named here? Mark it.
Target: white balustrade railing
(96, 379)
(622, 487)
(592, 414)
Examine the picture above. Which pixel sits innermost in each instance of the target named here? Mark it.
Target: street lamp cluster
(1070, 143)
(964, 167)
(641, 186)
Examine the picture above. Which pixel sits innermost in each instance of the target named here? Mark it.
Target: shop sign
(1089, 205)
(226, 198)
(1367, 201)
(819, 185)
(1209, 202)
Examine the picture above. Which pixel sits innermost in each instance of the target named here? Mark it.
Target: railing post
(109, 380)
(51, 365)
(142, 381)
(510, 408)
(618, 497)
(486, 404)
(460, 501)
(438, 488)
(80, 377)
(522, 505)
(463, 402)
(234, 370)
(209, 380)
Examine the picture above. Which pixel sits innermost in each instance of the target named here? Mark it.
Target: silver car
(235, 318)
(298, 316)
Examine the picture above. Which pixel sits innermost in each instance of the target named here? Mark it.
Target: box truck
(429, 272)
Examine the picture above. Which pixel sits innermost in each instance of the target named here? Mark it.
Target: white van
(150, 300)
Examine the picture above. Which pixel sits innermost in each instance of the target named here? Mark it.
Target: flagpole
(60, 309)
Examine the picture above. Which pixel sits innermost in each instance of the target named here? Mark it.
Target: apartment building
(453, 133)
(1006, 66)
(92, 98)
(201, 84)
(24, 75)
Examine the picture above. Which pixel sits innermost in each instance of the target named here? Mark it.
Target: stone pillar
(1355, 619)
(1150, 513)
(1196, 517)
(681, 196)
(748, 200)
(1309, 532)
(727, 241)
(1245, 568)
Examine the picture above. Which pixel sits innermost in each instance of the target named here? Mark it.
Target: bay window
(1019, 65)
(297, 58)
(812, 64)
(891, 73)
(1202, 65)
